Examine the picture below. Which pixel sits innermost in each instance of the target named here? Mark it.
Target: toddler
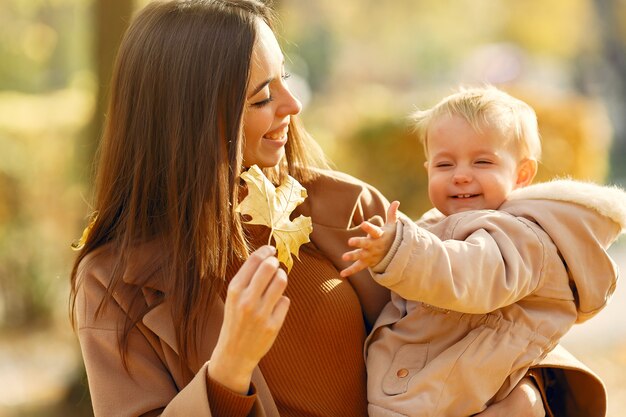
(486, 283)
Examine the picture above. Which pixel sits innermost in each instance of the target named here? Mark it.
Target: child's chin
(455, 210)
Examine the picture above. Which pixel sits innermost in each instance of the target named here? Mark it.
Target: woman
(171, 316)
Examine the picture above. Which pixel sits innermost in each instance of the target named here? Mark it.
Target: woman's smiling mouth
(278, 134)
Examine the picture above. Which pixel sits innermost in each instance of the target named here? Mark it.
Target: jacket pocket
(407, 361)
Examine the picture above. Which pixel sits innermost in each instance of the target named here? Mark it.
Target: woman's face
(269, 103)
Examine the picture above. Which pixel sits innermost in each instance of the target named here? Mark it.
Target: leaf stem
(269, 240)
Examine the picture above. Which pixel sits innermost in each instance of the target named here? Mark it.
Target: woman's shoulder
(140, 261)
(338, 179)
(343, 190)
(97, 265)
(103, 271)
(337, 198)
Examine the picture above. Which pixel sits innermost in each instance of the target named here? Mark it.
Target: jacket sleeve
(147, 387)
(568, 387)
(483, 261)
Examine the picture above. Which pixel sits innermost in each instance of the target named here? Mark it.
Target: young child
(485, 284)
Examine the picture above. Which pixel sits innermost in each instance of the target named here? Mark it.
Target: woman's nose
(289, 105)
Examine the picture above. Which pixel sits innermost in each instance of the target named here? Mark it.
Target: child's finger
(358, 242)
(372, 230)
(352, 255)
(353, 269)
(392, 212)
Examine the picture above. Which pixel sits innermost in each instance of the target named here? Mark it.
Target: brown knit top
(315, 367)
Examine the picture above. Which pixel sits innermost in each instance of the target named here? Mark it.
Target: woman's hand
(254, 312)
(523, 401)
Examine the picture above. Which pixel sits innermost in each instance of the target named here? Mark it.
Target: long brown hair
(171, 153)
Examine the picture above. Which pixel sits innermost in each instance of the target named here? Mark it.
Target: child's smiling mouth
(464, 196)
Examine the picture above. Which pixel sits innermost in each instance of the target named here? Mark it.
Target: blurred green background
(359, 66)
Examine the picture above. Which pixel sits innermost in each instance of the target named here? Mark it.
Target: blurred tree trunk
(614, 57)
(612, 40)
(111, 18)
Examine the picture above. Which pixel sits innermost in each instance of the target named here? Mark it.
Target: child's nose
(462, 176)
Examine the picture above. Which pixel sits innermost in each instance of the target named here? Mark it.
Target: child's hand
(374, 247)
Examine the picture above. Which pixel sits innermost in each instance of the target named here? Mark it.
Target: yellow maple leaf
(271, 206)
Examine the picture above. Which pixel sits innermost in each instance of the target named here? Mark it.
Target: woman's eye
(268, 100)
(263, 102)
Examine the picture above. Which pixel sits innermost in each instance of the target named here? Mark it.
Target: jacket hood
(583, 220)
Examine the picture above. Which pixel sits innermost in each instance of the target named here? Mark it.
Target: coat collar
(608, 201)
(143, 265)
(145, 269)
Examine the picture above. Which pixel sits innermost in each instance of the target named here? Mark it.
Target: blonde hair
(487, 105)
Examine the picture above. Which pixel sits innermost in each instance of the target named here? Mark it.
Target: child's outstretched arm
(372, 248)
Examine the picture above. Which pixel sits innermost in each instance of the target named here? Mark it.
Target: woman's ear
(526, 171)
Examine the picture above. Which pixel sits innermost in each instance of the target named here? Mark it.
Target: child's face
(468, 170)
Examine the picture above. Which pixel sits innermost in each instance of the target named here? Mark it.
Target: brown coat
(155, 384)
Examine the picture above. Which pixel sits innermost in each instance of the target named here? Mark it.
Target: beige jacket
(480, 296)
(155, 386)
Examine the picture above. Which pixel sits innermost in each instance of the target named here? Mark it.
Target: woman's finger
(275, 291)
(263, 275)
(523, 401)
(280, 312)
(244, 275)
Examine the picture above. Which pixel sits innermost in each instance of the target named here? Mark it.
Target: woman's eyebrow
(264, 83)
(260, 87)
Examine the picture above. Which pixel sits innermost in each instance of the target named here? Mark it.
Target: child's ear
(526, 171)
(426, 165)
